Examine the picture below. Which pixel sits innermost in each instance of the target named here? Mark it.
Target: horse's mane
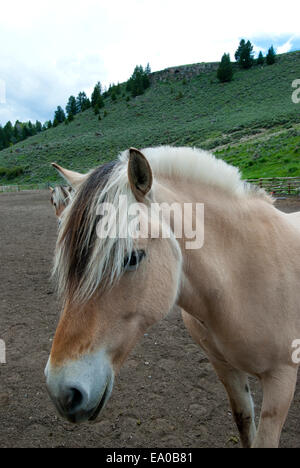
(198, 165)
(83, 261)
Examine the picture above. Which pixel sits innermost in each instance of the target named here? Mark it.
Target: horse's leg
(235, 382)
(278, 392)
(237, 386)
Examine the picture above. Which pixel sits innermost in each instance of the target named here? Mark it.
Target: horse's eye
(131, 262)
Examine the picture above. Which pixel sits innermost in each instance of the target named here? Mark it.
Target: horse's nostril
(72, 399)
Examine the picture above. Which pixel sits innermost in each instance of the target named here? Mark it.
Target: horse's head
(61, 195)
(60, 198)
(113, 287)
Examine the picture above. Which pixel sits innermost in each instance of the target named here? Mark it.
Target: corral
(167, 394)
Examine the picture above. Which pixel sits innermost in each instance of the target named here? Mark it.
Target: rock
(4, 399)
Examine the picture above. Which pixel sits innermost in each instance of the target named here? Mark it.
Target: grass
(250, 122)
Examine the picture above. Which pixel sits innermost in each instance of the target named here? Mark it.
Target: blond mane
(83, 261)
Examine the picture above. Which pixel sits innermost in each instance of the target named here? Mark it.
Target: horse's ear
(51, 189)
(139, 174)
(72, 177)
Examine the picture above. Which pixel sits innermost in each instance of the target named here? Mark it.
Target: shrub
(11, 173)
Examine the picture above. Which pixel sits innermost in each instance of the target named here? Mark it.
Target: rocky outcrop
(185, 71)
(189, 71)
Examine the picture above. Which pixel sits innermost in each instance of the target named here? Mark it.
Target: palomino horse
(60, 198)
(239, 293)
(61, 195)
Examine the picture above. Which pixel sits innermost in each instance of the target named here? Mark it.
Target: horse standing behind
(60, 198)
(62, 195)
(239, 293)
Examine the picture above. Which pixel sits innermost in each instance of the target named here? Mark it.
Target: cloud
(66, 46)
(281, 43)
(286, 47)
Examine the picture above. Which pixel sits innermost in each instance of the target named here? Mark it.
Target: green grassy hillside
(250, 122)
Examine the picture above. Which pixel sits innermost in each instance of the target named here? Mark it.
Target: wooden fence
(279, 185)
(21, 188)
(276, 185)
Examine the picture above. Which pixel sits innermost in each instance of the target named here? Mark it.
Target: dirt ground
(166, 395)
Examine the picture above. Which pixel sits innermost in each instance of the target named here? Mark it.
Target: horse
(60, 198)
(239, 293)
(61, 195)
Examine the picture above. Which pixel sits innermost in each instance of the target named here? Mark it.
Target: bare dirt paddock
(167, 394)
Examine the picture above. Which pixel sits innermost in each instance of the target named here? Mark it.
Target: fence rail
(23, 187)
(275, 185)
(279, 185)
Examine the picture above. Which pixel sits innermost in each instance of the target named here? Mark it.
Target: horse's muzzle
(80, 389)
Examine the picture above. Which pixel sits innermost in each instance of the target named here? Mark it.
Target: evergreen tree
(59, 115)
(86, 104)
(2, 138)
(148, 69)
(31, 129)
(25, 131)
(71, 107)
(96, 98)
(17, 131)
(244, 54)
(8, 133)
(260, 59)
(225, 70)
(38, 126)
(270, 58)
(82, 102)
(138, 82)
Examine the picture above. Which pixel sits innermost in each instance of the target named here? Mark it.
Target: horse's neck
(229, 224)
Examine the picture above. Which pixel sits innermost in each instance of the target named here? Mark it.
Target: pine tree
(17, 131)
(38, 126)
(148, 69)
(260, 59)
(8, 133)
(225, 70)
(97, 98)
(139, 81)
(82, 102)
(244, 54)
(2, 138)
(71, 108)
(59, 115)
(270, 58)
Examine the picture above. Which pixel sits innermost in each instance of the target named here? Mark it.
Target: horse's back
(294, 218)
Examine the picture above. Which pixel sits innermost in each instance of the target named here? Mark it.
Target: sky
(52, 49)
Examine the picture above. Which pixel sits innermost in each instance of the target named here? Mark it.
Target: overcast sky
(52, 49)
